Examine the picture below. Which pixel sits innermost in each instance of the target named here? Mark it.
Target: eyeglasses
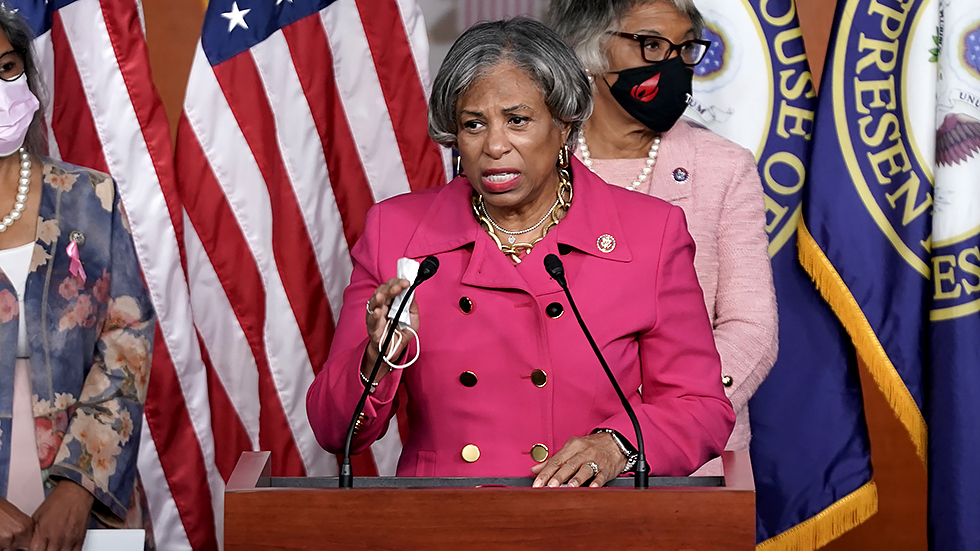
(11, 65)
(658, 48)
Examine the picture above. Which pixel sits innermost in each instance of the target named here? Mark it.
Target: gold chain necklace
(516, 250)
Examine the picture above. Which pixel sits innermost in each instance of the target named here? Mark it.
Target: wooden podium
(415, 514)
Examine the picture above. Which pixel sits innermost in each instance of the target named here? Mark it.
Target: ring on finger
(368, 305)
(594, 467)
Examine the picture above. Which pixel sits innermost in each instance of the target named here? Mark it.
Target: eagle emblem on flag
(957, 140)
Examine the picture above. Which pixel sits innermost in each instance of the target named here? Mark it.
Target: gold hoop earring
(563, 157)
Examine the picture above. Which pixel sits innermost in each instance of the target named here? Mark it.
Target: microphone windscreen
(427, 269)
(554, 266)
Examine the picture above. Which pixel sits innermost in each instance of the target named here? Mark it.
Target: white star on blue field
(236, 17)
(971, 51)
(714, 59)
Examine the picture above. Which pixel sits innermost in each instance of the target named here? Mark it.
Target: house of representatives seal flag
(953, 375)
(867, 235)
(810, 450)
(894, 228)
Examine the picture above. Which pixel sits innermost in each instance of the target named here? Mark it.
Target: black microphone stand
(642, 477)
(427, 269)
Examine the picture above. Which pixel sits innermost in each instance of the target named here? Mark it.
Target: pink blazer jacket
(537, 382)
(716, 182)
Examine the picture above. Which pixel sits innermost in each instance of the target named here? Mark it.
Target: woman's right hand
(16, 528)
(376, 320)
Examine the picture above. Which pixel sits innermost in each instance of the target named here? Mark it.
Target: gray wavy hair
(530, 46)
(21, 38)
(585, 24)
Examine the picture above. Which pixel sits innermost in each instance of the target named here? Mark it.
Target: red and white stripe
(105, 113)
(280, 152)
(245, 249)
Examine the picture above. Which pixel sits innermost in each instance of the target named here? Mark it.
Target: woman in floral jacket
(72, 293)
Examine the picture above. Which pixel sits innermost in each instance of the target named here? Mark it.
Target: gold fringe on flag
(869, 348)
(829, 524)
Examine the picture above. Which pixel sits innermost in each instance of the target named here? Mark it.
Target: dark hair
(531, 47)
(21, 38)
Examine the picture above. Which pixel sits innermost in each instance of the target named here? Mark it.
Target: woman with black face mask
(640, 55)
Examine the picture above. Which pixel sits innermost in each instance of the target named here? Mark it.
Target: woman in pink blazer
(640, 56)
(505, 382)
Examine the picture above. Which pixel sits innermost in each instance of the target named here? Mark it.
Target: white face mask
(17, 107)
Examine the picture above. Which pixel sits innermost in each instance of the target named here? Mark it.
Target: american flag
(102, 111)
(299, 115)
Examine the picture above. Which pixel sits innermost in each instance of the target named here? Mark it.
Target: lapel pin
(681, 175)
(606, 243)
(75, 239)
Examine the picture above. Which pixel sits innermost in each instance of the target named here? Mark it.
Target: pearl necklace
(644, 174)
(511, 235)
(24, 185)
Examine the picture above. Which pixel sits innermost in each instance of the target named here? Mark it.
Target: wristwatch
(624, 446)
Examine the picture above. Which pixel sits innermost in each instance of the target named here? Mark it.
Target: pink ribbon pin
(75, 268)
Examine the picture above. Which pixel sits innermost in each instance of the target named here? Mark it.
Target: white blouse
(25, 488)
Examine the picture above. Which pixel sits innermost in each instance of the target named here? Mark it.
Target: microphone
(557, 271)
(427, 269)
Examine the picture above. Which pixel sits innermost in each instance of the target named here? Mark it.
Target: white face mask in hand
(17, 107)
(407, 269)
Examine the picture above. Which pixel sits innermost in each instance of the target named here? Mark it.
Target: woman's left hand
(571, 464)
(60, 522)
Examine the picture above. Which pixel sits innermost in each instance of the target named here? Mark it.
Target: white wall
(446, 19)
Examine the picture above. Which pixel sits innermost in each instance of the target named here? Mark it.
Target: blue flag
(867, 231)
(894, 215)
(810, 450)
(953, 378)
